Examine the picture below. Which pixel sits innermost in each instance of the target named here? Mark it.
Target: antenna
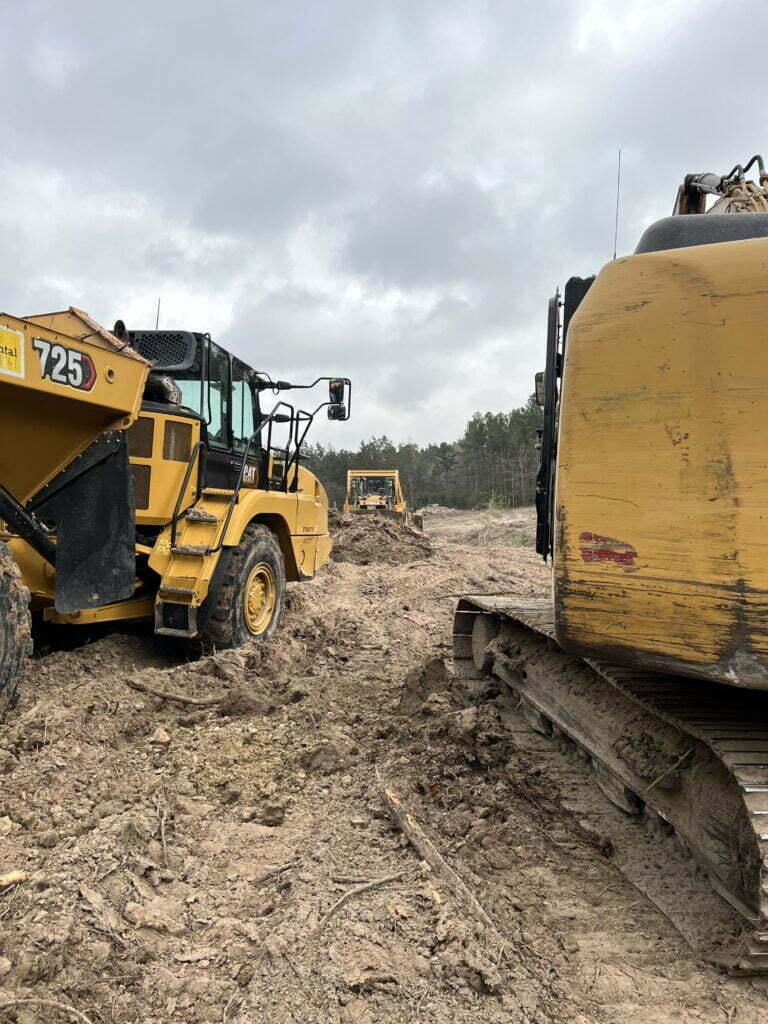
(157, 318)
(615, 222)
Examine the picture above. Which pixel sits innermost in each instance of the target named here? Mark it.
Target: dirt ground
(186, 862)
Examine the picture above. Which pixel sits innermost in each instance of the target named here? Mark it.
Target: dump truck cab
(207, 465)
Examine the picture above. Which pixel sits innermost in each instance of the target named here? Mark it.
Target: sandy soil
(183, 860)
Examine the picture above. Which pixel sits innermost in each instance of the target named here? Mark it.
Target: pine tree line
(494, 462)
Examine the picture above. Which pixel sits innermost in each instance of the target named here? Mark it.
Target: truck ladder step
(164, 592)
(199, 515)
(190, 549)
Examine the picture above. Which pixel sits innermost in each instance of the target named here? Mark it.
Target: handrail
(269, 419)
(296, 418)
(199, 446)
(298, 441)
(233, 500)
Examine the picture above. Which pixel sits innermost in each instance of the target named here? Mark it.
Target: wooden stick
(198, 702)
(51, 1004)
(408, 619)
(356, 892)
(272, 872)
(162, 813)
(427, 850)
(12, 878)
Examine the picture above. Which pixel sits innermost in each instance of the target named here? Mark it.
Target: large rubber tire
(15, 628)
(258, 554)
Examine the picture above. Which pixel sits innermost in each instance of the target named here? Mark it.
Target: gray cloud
(429, 235)
(390, 189)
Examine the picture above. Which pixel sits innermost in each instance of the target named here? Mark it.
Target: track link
(692, 752)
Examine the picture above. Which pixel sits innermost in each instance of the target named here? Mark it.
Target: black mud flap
(91, 504)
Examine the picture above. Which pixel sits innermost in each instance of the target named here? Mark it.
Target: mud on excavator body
(143, 480)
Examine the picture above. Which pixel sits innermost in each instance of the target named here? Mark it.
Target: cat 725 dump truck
(653, 503)
(141, 478)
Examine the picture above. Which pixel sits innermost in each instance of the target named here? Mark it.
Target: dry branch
(197, 702)
(12, 878)
(50, 1004)
(427, 850)
(272, 872)
(356, 892)
(161, 807)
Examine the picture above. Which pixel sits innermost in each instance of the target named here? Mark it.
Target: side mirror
(338, 406)
(539, 384)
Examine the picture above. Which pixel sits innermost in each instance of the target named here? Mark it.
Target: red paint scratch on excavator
(596, 548)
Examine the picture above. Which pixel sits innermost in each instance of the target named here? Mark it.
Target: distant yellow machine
(379, 490)
(139, 479)
(374, 489)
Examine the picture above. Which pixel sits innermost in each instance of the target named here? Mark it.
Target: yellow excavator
(652, 501)
(378, 490)
(142, 478)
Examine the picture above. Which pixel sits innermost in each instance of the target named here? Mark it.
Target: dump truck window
(242, 406)
(190, 394)
(218, 396)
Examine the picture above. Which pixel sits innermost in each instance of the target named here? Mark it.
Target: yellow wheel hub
(259, 598)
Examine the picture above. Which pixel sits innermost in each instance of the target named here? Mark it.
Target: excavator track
(693, 753)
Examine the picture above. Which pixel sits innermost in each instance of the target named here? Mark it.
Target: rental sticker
(11, 351)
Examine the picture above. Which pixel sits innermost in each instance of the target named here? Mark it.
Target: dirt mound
(371, 539)
(427, 682)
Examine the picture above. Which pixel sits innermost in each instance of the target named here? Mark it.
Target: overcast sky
(386, 189)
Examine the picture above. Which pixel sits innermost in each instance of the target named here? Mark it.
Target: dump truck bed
(64, 380)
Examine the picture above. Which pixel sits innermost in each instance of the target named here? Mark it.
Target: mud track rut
(179, 875)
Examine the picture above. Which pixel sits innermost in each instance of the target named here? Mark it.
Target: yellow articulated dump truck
(653, 504)
(141, 477)
(378, 490)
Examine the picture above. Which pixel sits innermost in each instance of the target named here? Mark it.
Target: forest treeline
(494, 462)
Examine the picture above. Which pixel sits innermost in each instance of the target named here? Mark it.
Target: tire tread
(219, 630)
